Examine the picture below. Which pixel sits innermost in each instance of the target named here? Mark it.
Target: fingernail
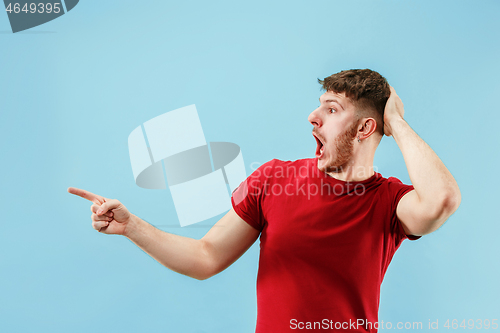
(99, 212)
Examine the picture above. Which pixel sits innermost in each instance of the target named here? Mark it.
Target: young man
(328, 225)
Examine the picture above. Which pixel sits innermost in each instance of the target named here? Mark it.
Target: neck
(352, 173)
(359, 167)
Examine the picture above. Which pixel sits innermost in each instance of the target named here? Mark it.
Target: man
(328, 225)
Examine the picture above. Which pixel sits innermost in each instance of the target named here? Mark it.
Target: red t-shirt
(325, 245)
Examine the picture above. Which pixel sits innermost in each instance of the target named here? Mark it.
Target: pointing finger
(97, 199)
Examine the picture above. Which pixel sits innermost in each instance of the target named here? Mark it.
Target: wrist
(395, 125)
(132, 226)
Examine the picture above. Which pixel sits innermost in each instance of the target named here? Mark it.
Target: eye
(332, 110)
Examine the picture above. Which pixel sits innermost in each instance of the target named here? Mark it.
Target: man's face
(335, 129)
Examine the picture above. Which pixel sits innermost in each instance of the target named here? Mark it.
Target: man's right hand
(202, 258)
(109, 216)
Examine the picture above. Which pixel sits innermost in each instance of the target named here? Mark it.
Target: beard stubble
(344, 145)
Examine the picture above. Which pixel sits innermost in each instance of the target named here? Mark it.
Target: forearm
(435, 186)
(183, 255)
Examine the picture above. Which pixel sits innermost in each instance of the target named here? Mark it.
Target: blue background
(72, 90)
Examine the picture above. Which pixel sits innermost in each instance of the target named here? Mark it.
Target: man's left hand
(394, 110)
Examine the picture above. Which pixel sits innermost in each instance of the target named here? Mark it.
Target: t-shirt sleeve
(398, 190)
(247, 198)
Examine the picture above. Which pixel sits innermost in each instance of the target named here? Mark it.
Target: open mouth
(319, 147)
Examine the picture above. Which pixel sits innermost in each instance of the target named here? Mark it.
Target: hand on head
(394, 110)
(109, 216)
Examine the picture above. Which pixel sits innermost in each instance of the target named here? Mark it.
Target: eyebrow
(332, 101)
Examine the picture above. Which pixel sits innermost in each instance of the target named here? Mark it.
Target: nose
(315, 119)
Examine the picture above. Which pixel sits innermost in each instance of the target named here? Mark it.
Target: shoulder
(394, 183)
(395, 189)
(386, 189)
(393, 180)
(389, 181)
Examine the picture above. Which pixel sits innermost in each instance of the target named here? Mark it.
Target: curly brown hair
(367, 89)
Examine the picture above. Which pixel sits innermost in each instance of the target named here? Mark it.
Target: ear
(366, 127)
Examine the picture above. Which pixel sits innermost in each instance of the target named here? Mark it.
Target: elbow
(201, 275)
(446, 207)
(205, 274)
(451, 202)
(436, 213)
(446, 204)
(201, 278)
(196, 274)
(206, 264)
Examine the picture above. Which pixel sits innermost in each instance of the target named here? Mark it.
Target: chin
(334, 167)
